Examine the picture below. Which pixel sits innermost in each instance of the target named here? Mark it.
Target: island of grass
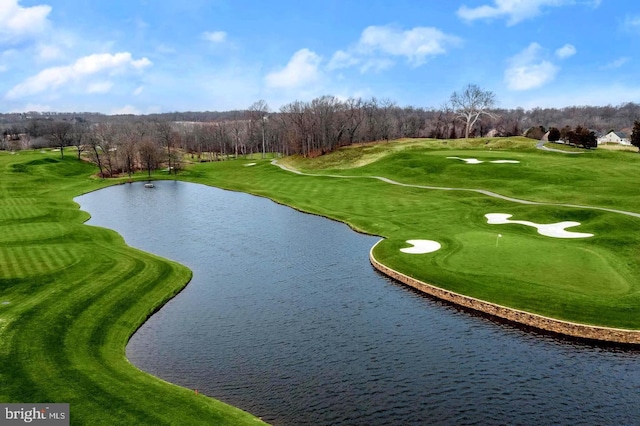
(71, 295)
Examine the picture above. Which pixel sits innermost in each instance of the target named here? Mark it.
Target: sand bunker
(555, 230)
(421, 247)
(476, 161)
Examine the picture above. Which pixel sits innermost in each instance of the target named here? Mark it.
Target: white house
(614, 137)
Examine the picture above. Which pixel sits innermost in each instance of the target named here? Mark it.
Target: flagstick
(497, 238)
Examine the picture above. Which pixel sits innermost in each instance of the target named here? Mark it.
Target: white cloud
(566, 51)
(6, 58)
(215, 36)
(18, 23)
(342, 59)
(379, 44)
(301, 70)
(514, 10)
(415, 44)
(49, 52)
(96, 64)
(138, 90)
(376, 64)
(528, 71)
(617, 63)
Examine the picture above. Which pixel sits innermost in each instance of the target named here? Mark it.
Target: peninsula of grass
(590, 281)
(71, 295)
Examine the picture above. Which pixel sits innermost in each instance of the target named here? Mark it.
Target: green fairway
(70, 297)
(585, 280)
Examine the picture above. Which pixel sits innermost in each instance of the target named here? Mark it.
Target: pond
(285, 318)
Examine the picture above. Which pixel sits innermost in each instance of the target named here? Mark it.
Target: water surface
(286, 318)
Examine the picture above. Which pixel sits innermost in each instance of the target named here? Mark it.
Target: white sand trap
(555, 230)
(476, 161)
(250, 164)
(467, 160)
(421, 247)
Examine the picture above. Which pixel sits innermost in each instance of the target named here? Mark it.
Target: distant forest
(125, 143)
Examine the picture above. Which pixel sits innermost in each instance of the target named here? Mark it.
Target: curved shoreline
(566, 328)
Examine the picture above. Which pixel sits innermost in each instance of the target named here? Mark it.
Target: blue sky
(146, 56)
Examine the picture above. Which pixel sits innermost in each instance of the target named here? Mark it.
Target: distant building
(614, 137)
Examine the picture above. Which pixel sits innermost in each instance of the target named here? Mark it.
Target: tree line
(126, 143)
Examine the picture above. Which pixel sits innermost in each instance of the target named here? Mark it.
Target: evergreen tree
(589, 140)
(554, 134)
(635, 135)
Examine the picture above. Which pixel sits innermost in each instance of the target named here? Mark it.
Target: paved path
(540, 145)
(479, 191)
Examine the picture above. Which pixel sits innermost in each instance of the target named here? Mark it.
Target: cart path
(540, 145)
(441, 188)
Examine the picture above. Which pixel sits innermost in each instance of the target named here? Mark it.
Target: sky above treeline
(149, 56)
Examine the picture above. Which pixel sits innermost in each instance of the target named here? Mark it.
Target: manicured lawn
(591, 280)
(70, 297)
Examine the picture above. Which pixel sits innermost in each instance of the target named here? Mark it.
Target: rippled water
(286, 318)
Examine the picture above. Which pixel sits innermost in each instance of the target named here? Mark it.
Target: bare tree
(60, 134)
(355, 117)
(130, 136)
(149, 154)
(258, 113)
(167, 136)
(103, 146)
(236, 127)
(635, 135)
(471, 103)
(385, 119)
(95, 152)
(78, 136)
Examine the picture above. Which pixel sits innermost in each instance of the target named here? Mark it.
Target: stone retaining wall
(536, 321)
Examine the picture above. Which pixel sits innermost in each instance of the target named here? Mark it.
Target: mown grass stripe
(28, 261)
(77, 294)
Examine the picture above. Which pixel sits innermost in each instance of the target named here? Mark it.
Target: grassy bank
(70, 297)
